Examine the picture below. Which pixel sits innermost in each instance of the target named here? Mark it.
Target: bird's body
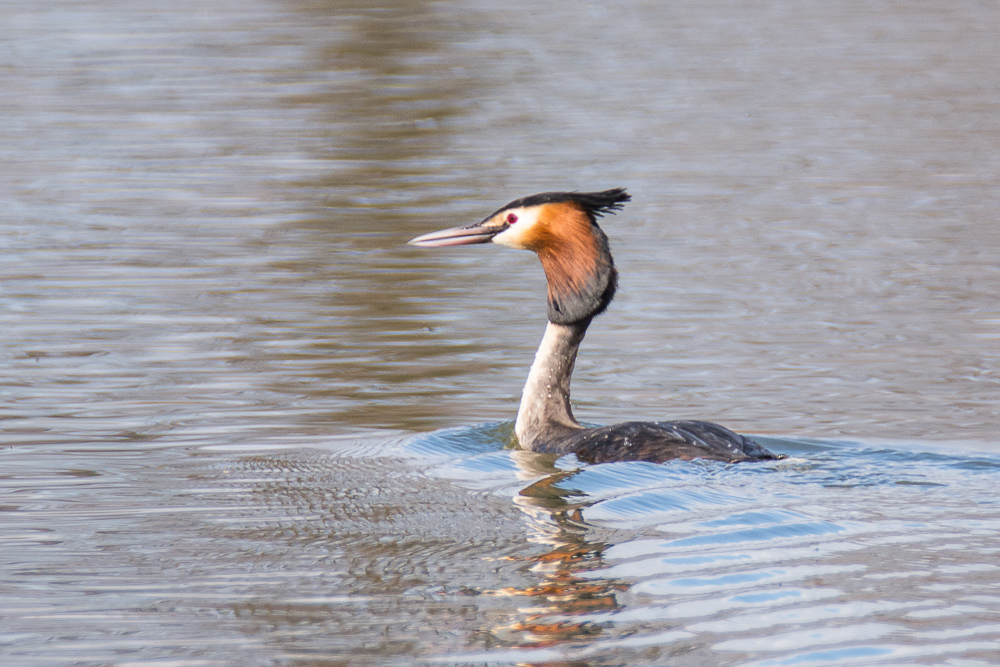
(561, 228)
(662, 441)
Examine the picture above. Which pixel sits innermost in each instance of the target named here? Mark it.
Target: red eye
(511, 218)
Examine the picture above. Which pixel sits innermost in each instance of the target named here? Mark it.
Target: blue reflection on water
(873, 531)
(835, 655)
(766, 597)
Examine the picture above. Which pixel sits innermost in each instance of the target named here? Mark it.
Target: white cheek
(509, 237)
(515, 235)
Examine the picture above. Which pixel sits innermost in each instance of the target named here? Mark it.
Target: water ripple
(840, 553)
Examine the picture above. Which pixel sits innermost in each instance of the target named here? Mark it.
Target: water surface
(225, 375)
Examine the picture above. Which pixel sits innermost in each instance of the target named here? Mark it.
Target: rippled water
(837, 554)
(450, 548)
(243, 423)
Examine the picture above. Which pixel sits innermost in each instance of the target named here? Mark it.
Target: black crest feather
(595, 204)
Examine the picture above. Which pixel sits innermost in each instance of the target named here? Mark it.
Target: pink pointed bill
(457, 236)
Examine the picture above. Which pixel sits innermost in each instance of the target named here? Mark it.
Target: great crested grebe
(561, 228)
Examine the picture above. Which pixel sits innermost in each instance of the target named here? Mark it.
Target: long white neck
(545, 412)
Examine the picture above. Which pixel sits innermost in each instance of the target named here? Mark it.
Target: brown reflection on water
(384, 354)
(386, 117)
(562, 595)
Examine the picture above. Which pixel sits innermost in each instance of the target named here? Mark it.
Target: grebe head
(561, 228)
